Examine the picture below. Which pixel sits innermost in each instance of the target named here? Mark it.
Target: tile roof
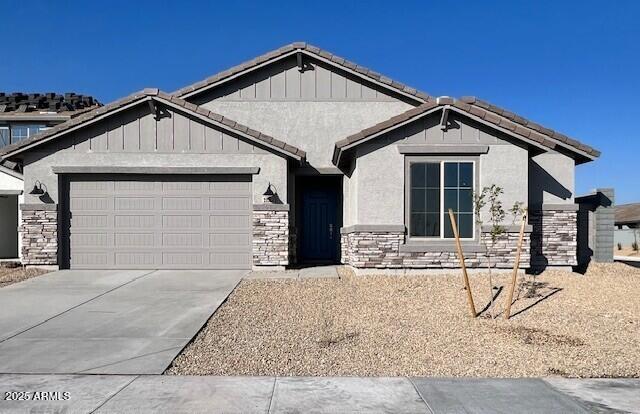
(160, 96)
(536, 128)
(627, 213)
(481, 109)
(313, 50)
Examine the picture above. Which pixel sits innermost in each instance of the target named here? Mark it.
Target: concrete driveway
(106, 322)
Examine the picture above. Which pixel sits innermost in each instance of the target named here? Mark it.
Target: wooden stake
(454, 226)
(516, 265)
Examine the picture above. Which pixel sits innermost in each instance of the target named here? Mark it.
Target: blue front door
(319, 232)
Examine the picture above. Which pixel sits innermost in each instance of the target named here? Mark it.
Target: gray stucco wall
(552, 179)
(377, 189)
(310, 109)
(136, 139)
(311, 126)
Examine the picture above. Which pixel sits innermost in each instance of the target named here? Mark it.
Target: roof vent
(444, 100)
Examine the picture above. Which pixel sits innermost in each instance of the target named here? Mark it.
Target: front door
(319, 231)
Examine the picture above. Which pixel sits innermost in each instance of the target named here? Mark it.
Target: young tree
(490, 197)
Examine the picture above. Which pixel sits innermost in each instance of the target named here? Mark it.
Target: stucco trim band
(377, 228)
(153, 170)
(38, 207)
(10, 192)
(556, 207)
(271, 207)
(443, 149)
(515, 228)
(474, 247)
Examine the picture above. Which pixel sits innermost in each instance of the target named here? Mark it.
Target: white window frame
(443, 214)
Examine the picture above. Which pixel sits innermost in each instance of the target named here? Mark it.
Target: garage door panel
(182, 239)
(160, 222)
(93, 221)
(93, 203)
(129, 203)
(134, 240)
(183, 203)
(229, 239)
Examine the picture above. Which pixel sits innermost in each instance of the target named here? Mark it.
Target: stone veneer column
(374, 248)
(39, 233)
(271, 234)
(554, 238)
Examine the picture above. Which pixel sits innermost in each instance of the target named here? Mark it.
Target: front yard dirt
(564, 324)
(10, 274)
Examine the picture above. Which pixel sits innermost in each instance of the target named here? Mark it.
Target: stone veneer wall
(372, 249)
(39, 232)
(554, 239)
(271, 235)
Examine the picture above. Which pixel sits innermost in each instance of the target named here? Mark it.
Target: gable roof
(310, 50)
(164, 98)
(627, 213)
(481, 111)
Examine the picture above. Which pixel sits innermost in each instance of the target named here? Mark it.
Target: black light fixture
(37, 189)
(268, 193)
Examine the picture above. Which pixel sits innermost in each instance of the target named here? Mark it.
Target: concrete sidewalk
(184, 394)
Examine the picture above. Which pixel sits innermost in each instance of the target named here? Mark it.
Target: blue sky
(573, 66)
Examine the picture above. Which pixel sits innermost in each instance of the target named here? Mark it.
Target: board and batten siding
(138, 131)
(283, 81)
(134, 138)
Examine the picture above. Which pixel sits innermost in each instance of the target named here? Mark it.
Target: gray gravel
(565, 324)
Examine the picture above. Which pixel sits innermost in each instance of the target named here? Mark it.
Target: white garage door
(158, 222)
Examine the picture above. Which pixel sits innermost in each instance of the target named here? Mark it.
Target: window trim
(414, 159)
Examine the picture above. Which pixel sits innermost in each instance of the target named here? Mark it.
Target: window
(20, 131)
(4, 136)
(436, 187)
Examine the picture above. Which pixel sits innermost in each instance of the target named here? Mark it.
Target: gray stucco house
(297, 156)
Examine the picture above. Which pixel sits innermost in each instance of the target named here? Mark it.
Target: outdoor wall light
(269, 195)
(37, 188)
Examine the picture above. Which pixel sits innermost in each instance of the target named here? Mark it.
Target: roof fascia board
(210, 121)
(310, 54)
(79, 126)
(11, 172)
(499, 128)
(337, 152)
(237, 75)
(164, 102)
(338, 156)
(367, 78)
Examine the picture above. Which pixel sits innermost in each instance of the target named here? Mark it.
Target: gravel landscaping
(10, 273)
(564, 324)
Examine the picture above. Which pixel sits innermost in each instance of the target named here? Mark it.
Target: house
(627, 223)
(22, 116)
(297, 156)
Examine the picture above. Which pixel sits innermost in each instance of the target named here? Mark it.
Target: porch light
(37, 189)
(268, 196)
(268, 193)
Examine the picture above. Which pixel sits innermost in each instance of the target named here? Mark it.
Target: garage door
(158, 222)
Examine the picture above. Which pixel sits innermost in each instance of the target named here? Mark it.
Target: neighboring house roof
(22, 103)
(627, 214)
(162, 97)
(310, 50)
(481, 111)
